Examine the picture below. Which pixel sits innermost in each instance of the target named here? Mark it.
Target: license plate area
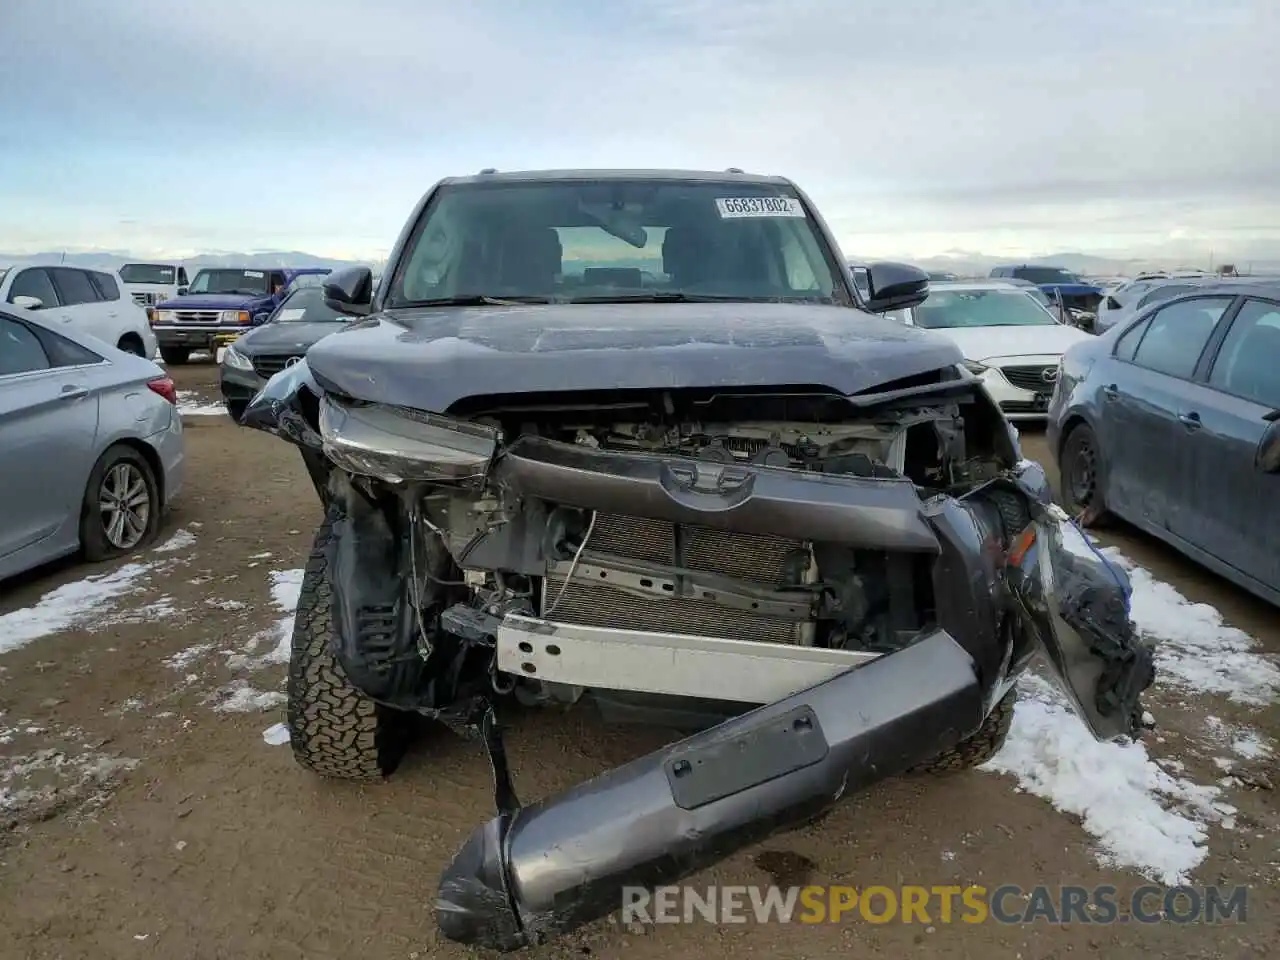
(772, 749)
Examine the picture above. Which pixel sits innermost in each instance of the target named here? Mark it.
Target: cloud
(306, 118)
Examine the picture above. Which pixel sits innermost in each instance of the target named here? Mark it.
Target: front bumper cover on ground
(537, 872)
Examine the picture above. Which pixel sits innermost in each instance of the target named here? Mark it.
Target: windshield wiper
(475, 300)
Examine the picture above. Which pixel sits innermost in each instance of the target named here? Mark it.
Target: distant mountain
(112, 259)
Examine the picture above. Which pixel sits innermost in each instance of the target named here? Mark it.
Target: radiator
(759, 559)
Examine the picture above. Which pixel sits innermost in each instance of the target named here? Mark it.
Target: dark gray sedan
(1171, 421)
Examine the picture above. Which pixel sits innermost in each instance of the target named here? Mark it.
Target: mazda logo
(292, 360)
(1049, 374)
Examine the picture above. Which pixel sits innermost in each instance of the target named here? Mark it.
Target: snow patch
(181, 540)
(240, 697)
(72, 605)
(1251, 745)
(183, 659)
(1142, 816)
(191, 404)
(1194, 649)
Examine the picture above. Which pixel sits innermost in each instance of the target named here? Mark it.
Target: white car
(1008, 338)
(152, 283)
(84, 300)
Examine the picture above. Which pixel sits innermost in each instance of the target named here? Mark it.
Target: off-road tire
(334, 729)
(979, 748)
(176, 356)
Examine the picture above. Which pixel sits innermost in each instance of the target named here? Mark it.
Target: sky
(918, 127)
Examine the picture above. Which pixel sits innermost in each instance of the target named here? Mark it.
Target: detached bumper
(543, 870)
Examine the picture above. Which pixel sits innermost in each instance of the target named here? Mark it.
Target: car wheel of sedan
(1080, 475)
(121, 510)
(132, 343)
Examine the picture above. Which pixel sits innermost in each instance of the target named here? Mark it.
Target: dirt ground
(158, 823)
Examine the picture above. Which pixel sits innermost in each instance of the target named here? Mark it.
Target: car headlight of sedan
(395, 444)
(236, 360)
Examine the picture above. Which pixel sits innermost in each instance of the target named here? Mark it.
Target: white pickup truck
(152, 283)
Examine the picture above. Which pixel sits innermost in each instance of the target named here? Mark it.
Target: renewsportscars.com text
(941, 904)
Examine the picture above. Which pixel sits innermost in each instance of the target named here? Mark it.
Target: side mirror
(29, 303)
(894, 286)
(349, 290)
(1267, 459)
(182, 291)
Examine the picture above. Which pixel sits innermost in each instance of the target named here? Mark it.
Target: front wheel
(335, 730)
(979, 748)
(121, 508)
(1080, 475)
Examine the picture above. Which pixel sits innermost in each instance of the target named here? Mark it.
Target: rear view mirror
(895, 286)
(29, 303)
(349, 290)
(1267, 459)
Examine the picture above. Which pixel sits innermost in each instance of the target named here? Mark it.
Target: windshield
(307, 305)
(616, 240)
(1047, 275)
(248, 282)
(982, 308)
(304, 280)
(148, 273)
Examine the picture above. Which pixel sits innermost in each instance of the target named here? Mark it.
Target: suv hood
(213, 301)
(431, 358)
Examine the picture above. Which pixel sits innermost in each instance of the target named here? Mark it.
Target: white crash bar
(713, 668)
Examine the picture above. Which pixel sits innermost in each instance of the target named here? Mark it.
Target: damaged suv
(636, 440)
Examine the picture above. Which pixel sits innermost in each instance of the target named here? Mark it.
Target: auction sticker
(759, 207)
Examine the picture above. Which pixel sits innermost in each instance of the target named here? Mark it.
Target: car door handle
(1111, 391)
(73, 393)
(1190, 420)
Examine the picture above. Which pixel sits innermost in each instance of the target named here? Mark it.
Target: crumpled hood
(287, 337)
(215, 301)
(431, 358)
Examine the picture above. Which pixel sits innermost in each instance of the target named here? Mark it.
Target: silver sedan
(92, 445)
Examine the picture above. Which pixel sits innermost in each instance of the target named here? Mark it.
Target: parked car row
(219, 305)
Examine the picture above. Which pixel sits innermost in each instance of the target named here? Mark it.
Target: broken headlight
(400, 445)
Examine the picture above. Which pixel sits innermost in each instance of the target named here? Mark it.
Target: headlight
(977, 369)
(234, 316)
(233, 358)
(395, 444)
(163, 316)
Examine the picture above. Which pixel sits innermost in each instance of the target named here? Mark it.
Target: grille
(269, 365)
(760, 559)
(1030, 378)
(197, 316)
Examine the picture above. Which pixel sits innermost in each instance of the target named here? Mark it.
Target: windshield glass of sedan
(1048, 275)
(981, 308)
(306, 305)
(247, 282)
(577, 241)
(147, 273)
